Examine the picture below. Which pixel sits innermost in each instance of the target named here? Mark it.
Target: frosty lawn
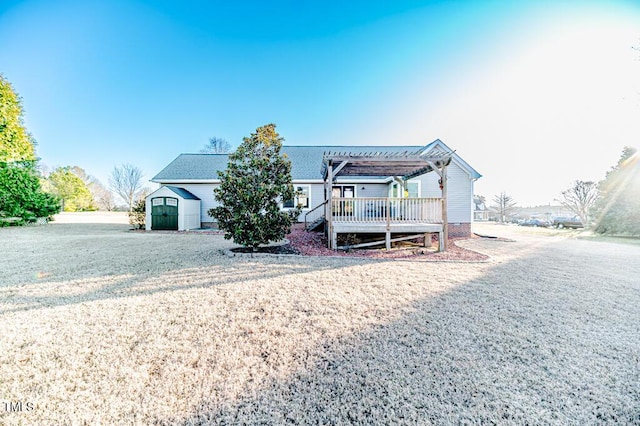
(103, 325)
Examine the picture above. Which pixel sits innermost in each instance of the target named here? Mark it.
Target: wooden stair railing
(311, 211)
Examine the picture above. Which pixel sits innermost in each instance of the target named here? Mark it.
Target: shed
(172, 208)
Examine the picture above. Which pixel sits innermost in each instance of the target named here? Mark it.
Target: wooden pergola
(399, 166)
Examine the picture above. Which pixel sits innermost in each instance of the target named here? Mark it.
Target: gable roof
(440, 147)
(306, 161)
(193, 167)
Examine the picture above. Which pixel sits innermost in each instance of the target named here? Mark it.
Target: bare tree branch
(126, 181)
(579, 198)
(102, 195)
(504, 206)
(216, 146)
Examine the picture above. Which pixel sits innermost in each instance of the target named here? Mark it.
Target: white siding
(316, 196)
(204, 191)
(459, 194)
(189, 214)
(372, 190)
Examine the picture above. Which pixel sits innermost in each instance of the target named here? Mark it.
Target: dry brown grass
(103, 325)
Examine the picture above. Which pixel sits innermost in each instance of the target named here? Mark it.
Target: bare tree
(579, 198)
(216, 146)
(126, 181)
(102, 196)
(503, 205)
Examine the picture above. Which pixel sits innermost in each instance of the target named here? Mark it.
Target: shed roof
(183, 193)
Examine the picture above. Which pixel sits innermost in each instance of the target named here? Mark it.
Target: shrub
(21, 195)
(137, 215)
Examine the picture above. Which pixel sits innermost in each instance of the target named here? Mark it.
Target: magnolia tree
(251, 191)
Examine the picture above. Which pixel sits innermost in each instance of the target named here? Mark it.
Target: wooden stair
(313, 226)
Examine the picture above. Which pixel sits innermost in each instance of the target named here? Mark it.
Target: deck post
(388, 213)
(444, 241)
(388, 233)
(328, 185)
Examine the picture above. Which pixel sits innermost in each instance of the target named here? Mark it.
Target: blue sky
(533, 94)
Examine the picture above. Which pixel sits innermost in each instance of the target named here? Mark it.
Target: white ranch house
(397, 199)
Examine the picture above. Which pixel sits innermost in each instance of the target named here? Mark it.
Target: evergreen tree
(137, 215)
(252, 188)
(21, 195)
(617, 210)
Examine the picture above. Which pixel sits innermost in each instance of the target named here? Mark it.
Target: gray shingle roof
(193, 167)
(186, 195)
(306, 162)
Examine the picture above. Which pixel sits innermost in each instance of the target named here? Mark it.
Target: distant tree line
(29, 191)
(611, 206)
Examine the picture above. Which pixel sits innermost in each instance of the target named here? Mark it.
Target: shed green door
(164, 213)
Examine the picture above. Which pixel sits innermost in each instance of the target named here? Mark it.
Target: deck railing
(382, 209)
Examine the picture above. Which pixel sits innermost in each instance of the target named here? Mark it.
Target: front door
(343, 207)
(164, 213)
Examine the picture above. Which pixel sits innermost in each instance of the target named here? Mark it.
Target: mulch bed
(306, 243)
(282, 249)
(315, 244)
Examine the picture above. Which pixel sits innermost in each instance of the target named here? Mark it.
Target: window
(300, 199)
(411, 190)
(302, 196)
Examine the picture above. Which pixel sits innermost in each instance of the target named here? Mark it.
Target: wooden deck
(416, 216)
